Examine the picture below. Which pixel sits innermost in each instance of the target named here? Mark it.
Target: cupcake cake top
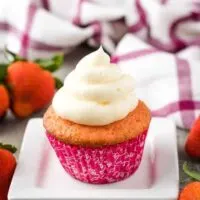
(96, 93)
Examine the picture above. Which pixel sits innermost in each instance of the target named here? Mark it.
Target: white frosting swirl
(96, 93)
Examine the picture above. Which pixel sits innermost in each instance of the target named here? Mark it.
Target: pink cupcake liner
(100, 165)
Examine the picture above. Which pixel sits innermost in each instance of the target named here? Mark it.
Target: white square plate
(39, 174)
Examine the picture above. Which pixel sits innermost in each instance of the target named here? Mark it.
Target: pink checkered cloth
(39, 27)
(167, 82)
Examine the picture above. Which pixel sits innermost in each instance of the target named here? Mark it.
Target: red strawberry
(4, 100)
(31, 83)
(7, 167)
(190, 192)
(192, 146)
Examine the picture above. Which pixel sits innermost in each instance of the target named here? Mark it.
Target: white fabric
(157, 81)
(66, 23)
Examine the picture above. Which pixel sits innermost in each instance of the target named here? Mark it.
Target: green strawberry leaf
(8, 147)
(58, 83)
(193, 174)
(51, 64)
(3, 71)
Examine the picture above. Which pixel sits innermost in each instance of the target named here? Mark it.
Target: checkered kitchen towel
(39, 27)
(167, 82)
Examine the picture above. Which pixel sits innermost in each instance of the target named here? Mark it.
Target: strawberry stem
(58, 83)
(12, 57)
(193, 174)
(51, 64)
(8, 147)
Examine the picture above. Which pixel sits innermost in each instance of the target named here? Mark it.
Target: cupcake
(96, 124)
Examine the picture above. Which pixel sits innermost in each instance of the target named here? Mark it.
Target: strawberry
(190, 192)
(31, 87)
(7, 167)
(192, 146)
(4, 96)
(31, 83)
(4, 101)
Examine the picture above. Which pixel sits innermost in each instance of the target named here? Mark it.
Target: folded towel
(40, 27)
(168, 83)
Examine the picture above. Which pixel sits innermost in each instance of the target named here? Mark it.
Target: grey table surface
(12, 129)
